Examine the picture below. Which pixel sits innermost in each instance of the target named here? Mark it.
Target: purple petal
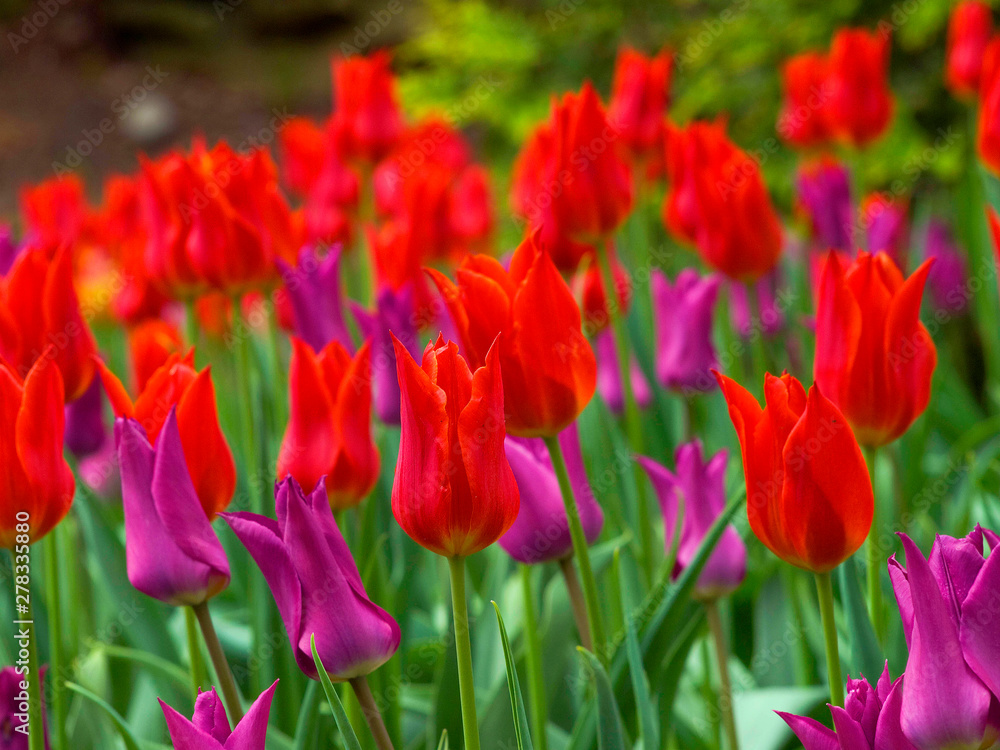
(210, 716)
(683, 311)
(186, 736)
(904, 601)
(251, 732)
(889, 731)
(980, 631)
(849, 732)
(812, 734)
(314, 291)
(85, 432)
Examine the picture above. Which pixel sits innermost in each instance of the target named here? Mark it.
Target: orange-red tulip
(549, 370)
(329, 427)
(37, 481)
(718, 202)
(454, 491)
(860, 103)
(809, 496)
(969, 30)
(639, 97)
(803, 120)
(40, 314)
(177, 383)
(874, 358)
(367, 119)
(150, 345)
(988, 130)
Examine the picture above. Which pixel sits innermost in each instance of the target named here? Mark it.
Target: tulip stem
(371, 713)
(36, 721)
(223, 673)
(725, 687)
(824, 588)
(578, 602)
(875, 604)
(199, 675)
(581, 552)
(533, 659)
(57, 714)
(463, 650)
(633, 419)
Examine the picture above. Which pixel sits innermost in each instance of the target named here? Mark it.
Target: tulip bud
(367, 120)
(860, 105)
(685, 355)
(639, 97)
(969, 30)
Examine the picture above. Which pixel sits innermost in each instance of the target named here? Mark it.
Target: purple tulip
(316, 584)
(700, 487)
(394, 312)
(85, 430)
(609, 375)
(541, 531)
(171, 551)
(683, 311)
(208, 728)
(886, 229)
(772, 319)
(824, 190)
(14, 711)
(869, 720)
(313, 288)
(949, 607)
(948, 278)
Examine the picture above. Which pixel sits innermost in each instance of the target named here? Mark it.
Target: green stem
(463, 649)
(760, 362)
(633, 419)
(577, 602)
(191, 322)
(57, 660)
(371, 713)
(278, 374)
(222, 672)
(580, 549)
(824, 589)
(36, 722)
(876, 606)
(725, 686)
(199, 674)
(533, 659)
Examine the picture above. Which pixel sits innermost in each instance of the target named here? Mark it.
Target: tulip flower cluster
(334, 371)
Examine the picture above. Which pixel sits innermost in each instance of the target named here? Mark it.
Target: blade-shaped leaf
(521, 732)
(129, 739)
(339, 715)
(610, 732)
(649, 725)
(866, 654)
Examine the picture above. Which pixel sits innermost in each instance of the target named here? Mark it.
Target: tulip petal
(210, 716)
(251, 732)
(889, 731)
(849, 732)
(310, 441)
(838, 329)
(980, 631)
(812, 734)
(206, 451)
(186, 736)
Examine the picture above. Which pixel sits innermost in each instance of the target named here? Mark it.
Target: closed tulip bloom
(316, 584)
(541, 531)
(770, 318)
(206, 452)
(85, 430)
(329, 424)
(594, 301)
(806, 88)
(394, 313)
(208, 728)
(699, 488)
(639, 97)
(314, 290)
(718, 202)
(454, 492)
(948, 607)
(969, 30)
(809, 496)
(860, 103)
(874, 358)
(367, 119)
(39, 482)
(869, 719)
(171, 551)
(39, 308)
(685, 355)
(13, 698)
(150, 345)
(824, 191)
(549, 370)
(988, 128)
(949, 277)
(595, 201)
(609, 375)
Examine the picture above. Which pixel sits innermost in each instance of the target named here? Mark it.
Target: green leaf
(866, 654)
(443, 743)
(339, 715)
(131, 743)
(649, 726)
(156, 663)
(610, 732)
(521, 732)
(305, 727)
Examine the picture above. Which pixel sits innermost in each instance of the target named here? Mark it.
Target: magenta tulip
(14, 710)
(313, 288)
(208, 728)
(685, 356)
(824, 190)
(609, 375)
(948, 280)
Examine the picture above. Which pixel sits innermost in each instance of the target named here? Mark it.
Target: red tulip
(594, 301)
(329, 427)
(969, 30)
(717, 201)
(860, 103)
(150, 344)
(454, 492)
(809, 497)
(639, 98)
(803, 119)
(55, 211)
(874, 358)
(38, 483)
(549, 370)
(177, 383)
(367, 119)
(988, 135)
(39, 309)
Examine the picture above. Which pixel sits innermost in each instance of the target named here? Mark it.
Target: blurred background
(157, 72)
